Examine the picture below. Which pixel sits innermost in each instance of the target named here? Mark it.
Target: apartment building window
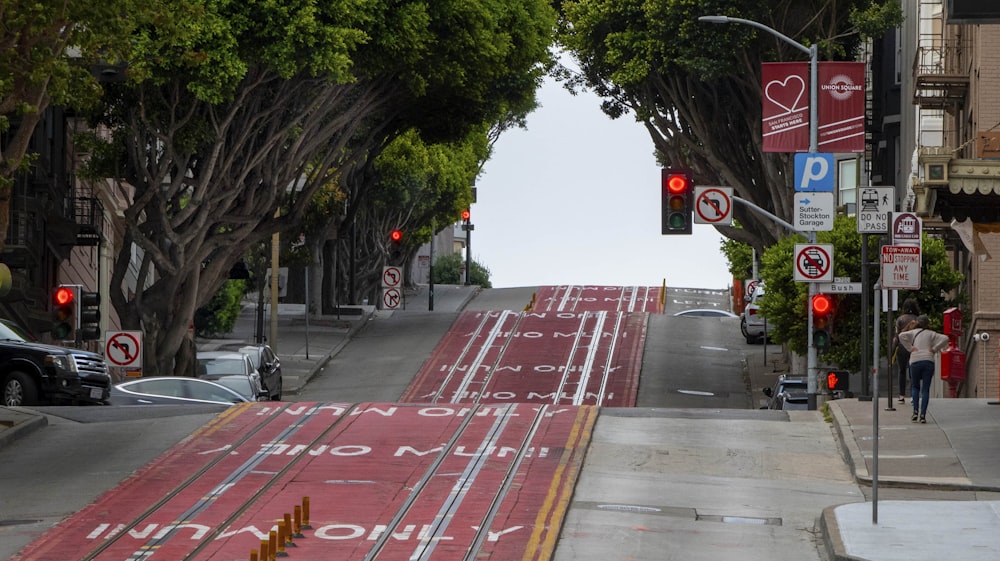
(847, 185)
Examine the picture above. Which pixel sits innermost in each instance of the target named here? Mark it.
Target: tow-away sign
(900, 267)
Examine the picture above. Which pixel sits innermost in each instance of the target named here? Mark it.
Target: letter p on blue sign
(814, 172)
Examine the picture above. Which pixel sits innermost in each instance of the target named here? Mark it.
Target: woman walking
(922, 344)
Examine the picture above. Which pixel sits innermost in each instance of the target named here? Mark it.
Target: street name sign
(839, 287)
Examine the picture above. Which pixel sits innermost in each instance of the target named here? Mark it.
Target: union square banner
(785, 107)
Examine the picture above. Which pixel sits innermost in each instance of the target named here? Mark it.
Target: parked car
(231, 369)
(173, 390)
(33, 373)
(787, 393)
(266, 362)
(753, 324)
(792, 400)
(706, 312)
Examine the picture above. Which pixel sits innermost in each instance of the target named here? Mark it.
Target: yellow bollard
(290, 530)
(305, 513)
(272, 542)
(253, 555)
(263, 549)
(297, 522)
(281, 540)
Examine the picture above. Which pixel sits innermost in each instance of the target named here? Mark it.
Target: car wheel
(19, 389)
(277, 396)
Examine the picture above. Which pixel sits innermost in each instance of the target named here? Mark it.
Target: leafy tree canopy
(696, 85)
(236, 109)
(784, 303)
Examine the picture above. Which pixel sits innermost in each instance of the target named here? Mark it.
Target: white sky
(575, 199)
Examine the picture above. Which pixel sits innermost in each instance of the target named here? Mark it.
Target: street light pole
(813, 53)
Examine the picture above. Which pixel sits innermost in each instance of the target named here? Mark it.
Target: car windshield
(10, 331)
(253, 354)
(221, 366)
(239, 384)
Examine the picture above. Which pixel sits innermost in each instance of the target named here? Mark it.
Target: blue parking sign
(814, 172)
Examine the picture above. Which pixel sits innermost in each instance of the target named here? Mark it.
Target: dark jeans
(903, 368)
(921, 374)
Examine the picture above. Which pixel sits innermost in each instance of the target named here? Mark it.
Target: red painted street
(582, 298)
(381, 481)
(570, 357)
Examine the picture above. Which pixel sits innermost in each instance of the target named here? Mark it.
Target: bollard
(297, 522)
(305, 513)
(290, 530)
(272, 543)
(281, 540)
(263, 549)
(253, 555)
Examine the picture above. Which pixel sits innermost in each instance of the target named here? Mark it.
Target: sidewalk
(957, 450)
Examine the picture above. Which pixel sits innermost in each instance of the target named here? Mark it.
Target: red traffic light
(396, 236)
(822, 304)
(63, 296)
(678, 183)
(466, 215)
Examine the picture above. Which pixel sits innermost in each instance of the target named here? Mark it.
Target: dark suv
(32, 372)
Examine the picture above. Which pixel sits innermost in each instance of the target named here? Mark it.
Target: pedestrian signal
(838, 380)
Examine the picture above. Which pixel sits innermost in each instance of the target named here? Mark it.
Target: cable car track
(455, 500)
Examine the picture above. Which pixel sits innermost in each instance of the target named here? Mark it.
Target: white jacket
(923, 343)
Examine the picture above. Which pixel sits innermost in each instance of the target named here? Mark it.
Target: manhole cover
(629, 508)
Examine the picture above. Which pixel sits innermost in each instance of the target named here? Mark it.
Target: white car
(753, 324)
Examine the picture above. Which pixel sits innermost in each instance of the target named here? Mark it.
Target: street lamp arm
(758, 25)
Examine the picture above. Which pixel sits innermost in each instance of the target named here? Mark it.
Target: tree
(237, 110)
(50, 50)
(449, 269)
(696, 86)
(784, 303)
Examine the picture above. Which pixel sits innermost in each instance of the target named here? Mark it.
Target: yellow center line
(553, 510)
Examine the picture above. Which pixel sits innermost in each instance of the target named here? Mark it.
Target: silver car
(753, 324)
(231, 369)
(173, 390)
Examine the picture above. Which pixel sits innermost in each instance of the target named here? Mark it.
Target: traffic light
(467, 220)
(822, 312)
(838, 380)
(89, 328)
(65, 312)
(677, 201)
(396, 245)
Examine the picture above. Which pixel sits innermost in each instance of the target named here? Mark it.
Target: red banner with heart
(785, 107)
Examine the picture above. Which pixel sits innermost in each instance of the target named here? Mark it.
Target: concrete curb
(24, 423)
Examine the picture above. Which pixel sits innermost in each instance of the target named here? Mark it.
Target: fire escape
(941, 76)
